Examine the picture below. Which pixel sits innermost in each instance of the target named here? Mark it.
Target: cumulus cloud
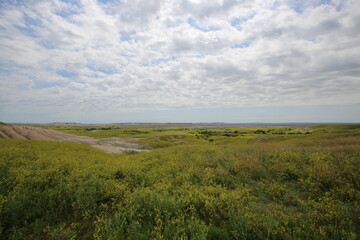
(80, 56)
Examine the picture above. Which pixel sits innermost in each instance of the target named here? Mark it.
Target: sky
(105, 61)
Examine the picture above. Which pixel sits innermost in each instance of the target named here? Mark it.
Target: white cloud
(121, 56)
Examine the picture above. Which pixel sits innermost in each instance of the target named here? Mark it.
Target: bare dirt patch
(109, 145)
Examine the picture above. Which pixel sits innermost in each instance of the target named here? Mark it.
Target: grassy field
(209, 183)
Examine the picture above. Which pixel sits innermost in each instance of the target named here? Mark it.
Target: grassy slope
(306, 187)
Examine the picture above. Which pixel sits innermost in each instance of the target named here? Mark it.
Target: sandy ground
(109, 145)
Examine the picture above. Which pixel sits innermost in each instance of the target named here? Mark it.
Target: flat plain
(189, 183)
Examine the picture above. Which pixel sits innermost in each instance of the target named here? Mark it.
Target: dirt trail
(109, 145)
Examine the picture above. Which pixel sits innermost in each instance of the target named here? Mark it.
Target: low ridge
(111, 145)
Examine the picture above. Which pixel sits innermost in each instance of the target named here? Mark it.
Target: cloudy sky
(180, 60)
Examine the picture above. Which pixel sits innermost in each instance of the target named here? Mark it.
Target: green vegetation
(300, 184)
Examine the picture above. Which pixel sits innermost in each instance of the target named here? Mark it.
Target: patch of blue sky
(5, 3)
(28, 31)
(42, 85)
(300, 6)
(108, 1)
(30, 25)
(73, 9)
(30, 21)
(12, 67)
(195, 25)
(159, 61)
(236, 22)
(72, 2)
(241, 45)
(9, 69)
(315, 39)
(339, 6)
(66, 73)
(66, 14)
(6, 71)
(79, 81)
(103, 70)
(47, 44)
(128, 36)
(323, 2)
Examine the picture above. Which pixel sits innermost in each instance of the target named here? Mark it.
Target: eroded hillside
(109, 145)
